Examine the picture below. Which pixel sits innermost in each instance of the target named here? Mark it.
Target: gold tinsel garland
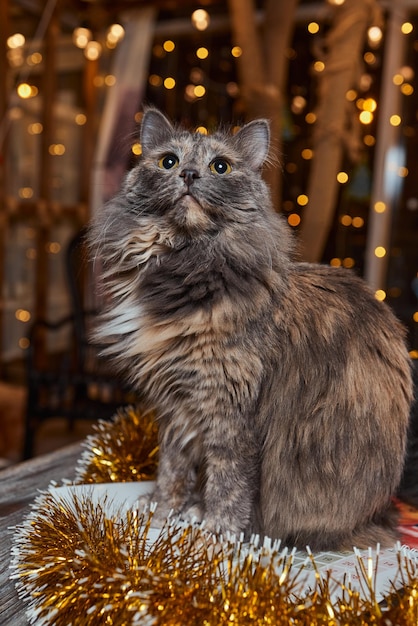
(122, 450)
(75, 564)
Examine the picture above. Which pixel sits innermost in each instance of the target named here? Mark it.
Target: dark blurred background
(336, 78)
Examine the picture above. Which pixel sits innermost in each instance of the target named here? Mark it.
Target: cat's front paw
(144, 502)
(192, 514)
(216, 526)
(160, 512)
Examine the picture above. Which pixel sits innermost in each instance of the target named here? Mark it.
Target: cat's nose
(189, 175)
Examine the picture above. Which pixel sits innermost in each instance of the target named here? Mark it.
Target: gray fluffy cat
(282, 388)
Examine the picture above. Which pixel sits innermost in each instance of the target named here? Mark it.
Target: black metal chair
(75, 383)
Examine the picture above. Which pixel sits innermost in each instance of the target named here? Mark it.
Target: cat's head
(198, 183)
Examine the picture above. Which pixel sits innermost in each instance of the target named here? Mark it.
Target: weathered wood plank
(19, 486)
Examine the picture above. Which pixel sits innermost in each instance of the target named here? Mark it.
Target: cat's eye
(168, 162)
(220, 166)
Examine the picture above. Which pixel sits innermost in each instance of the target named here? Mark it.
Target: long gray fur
(282, 388)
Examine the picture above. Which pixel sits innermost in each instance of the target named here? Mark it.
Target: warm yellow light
(307, 154)
(413, 354)
(199, 91)
(232, 89)
(335, 262)
(366, 117)
(415, 316)
(358, 222)
(348, 262)
(189, 93)
(16, 41)
(117, 30)
(24, 343)
(397, 79)
(22, 315)
(319, 66)
(370, 58)
(407, 28)
(375, 34)
(80, 119)
(236, 51)
(313, 28)
(81, 37)
(169, 45)
(379, 207)
(380, 295)
(346, 220)
(56, 149)
(26, 193)
(93, 50)
(370, 105)
(403, 172)
(407, 89)
(155, 80)
(395, 120)
(200, 19)
(351, 95)
(169, 83)
(115, 33)
(202, 53)
(35, 58)
(369, 140)
(293, 219)
(298, 104)
(35, 129)
(110, 80)
(302, 199)
(310, 118)
(380, 252)
(342, 177)
(53, 247)
(25, 91)
(137, 149)
(202, 130)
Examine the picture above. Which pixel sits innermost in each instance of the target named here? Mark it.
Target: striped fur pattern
(282, 388)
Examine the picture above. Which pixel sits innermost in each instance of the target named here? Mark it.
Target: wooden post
(345, 43)
(386, 163)
(262, 68)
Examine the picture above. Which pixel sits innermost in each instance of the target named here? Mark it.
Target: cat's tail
(384, 534)
(408, 489)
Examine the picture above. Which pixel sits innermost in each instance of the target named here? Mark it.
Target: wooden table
(19, 487)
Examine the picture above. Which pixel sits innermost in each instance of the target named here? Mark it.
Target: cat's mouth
(189, 213)
(189, 199)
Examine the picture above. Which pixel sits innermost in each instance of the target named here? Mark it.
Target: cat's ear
(155, 129)
(253, 140)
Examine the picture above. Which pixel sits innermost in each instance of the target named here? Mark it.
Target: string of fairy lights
(94, 45)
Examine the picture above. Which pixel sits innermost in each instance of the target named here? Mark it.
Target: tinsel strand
(73, 565)
(122, 450)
